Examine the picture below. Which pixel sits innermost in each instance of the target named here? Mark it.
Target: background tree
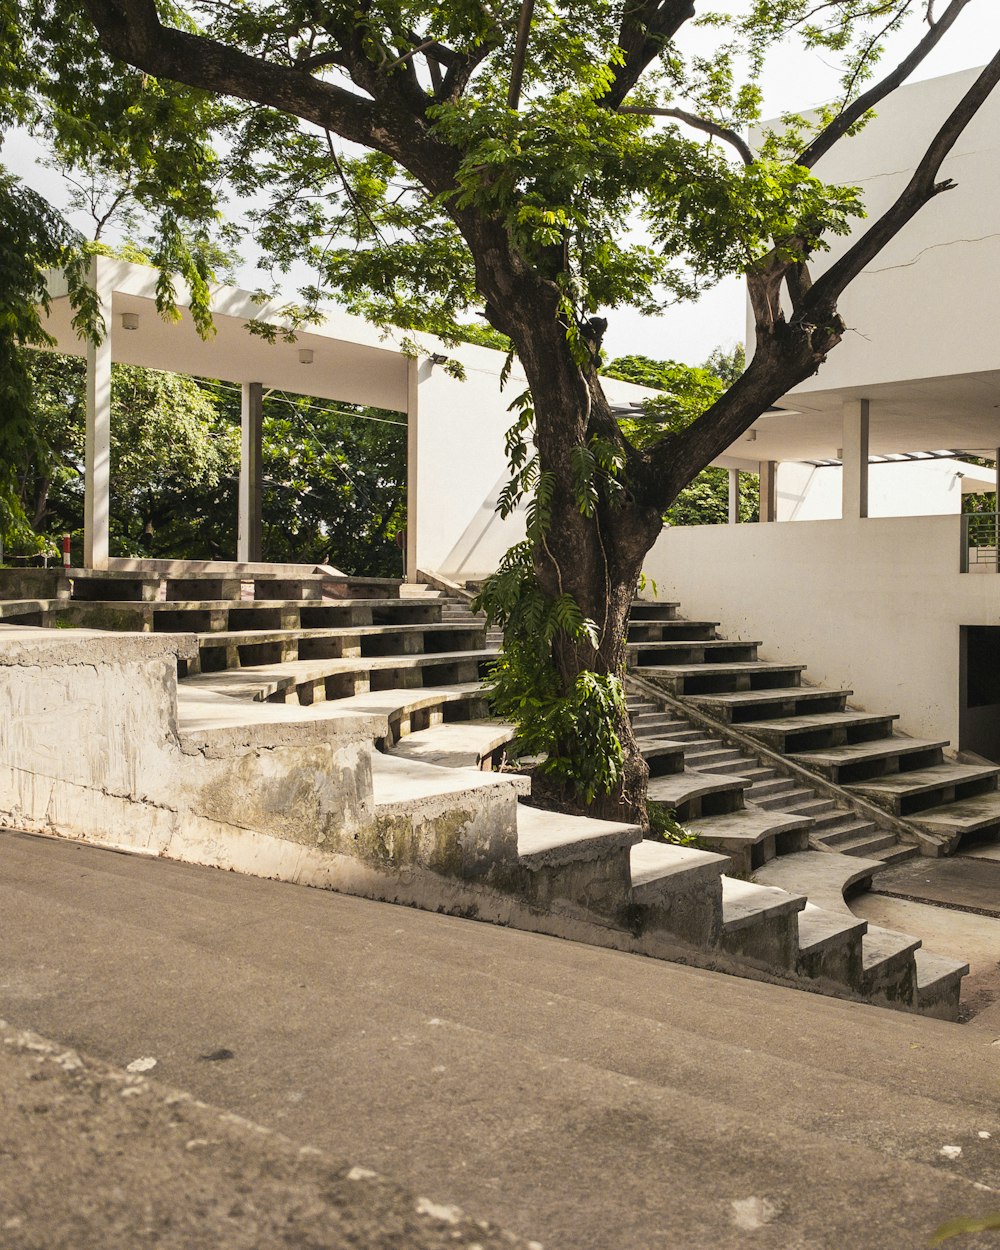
(505, 162)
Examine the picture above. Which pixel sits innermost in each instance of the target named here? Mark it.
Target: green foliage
(334, 476)
(665, 827)
(573, 729)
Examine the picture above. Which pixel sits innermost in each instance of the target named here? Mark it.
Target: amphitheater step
(939, 984)
(760, 922)
(742, 705)
(977, 815)
(692, 679)
(824, 729)
(888, 967)
(751, 836)
(908, 793)
(679, 889)
(655, 631)
(862, 760)
(691, 793)
(462, 744)
(689, 651)
(797, 797)
(577, 861)
(830, 945)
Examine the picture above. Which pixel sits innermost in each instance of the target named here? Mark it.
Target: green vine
(573, 730)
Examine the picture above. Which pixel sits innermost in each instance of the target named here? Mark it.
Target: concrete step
(461, 744)
(867, 846)
(653, 722)
(751, 836)
(576, 863)
(888, 967)
(898, 854)
(653, 609)
(861, 760)
(789, 734)
(939, 984)
(409, 711)
(824, 876)
(679, 889)
(830, 946)
(742, 705)
(662, 755)
(691, 651)
(769, 786)
(678, 628)
(312, 681)
(760, 923)
(796, 798)
(692, 679)
(964, 816)
(813, 806)
(708, 758)
(844, 828)
(909, 793)
(692, 794)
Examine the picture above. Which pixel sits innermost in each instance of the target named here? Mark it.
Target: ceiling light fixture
(130, 321)
(306, 355)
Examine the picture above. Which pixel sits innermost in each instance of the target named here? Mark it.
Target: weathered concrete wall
(90, 748)
(873, 605)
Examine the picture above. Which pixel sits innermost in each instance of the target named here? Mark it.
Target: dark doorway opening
(979, 716)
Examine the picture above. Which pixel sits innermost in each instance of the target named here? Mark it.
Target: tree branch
(645, 28)
(699, 123)
(853, 113)
(131, 30)
(520, 52)
(922, 187)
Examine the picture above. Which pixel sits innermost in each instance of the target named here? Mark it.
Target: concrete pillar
(249, 526)
(855, 459)
(734, 496)
(768, 494)
(412, 466)
(97, 445)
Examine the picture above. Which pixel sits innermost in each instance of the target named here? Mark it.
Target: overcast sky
(793, 82)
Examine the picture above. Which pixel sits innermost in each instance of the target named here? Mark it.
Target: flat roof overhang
(956, 412)
(352, 363)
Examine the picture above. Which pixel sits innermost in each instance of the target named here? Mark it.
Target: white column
(734, 496)
(412, 466)
(249, 526)
(768, 495)
(97, 446)
(855, 459)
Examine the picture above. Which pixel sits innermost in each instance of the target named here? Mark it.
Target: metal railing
(981, 542)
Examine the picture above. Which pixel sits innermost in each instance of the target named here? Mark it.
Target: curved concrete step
(752, 835)
(458, 744)
(849, 763)
(906, 793)
(682, 790)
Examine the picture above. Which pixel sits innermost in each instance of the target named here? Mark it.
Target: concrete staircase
(928, 800)
(447, 834)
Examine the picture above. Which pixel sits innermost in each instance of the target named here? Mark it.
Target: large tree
(431, 158)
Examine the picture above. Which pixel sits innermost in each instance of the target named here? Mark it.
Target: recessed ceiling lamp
(751, 436)
(130, 321)
(306, 355)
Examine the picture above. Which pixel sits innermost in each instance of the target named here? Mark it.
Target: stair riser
(789, 742)
(880, 766)
(601, 887)
(771, 942)
(786, 707)
(707, 682)
(905, 805)
(692, 653)
(689, 909)
(672, 631)
(840, 962)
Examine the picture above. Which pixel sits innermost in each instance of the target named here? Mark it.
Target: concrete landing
(966, 883)
(584, 1098)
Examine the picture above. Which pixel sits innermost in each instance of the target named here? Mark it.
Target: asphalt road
(578, 1096)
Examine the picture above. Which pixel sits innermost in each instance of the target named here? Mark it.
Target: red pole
(66, 559)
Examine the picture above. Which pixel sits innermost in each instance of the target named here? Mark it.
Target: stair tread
(879, 945)
(819, 929)
(736, 668)
(934, 969)
(387, 702)
(454, 744)
(652, 862)
(400, 783)
(677, 788)
(822, 875)
(923, 779)
(749, 824)
(818, 720)
(252, 636)
(897, 744)
(744, 903)
(965, 815)
(738, 698)
(710, 644)
(550, 838)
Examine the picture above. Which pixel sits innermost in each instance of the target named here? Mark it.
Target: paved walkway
(581, 1097)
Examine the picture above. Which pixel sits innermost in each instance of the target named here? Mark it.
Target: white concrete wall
(912, 488)
(874, 605)
(461, 466)
(909, 313)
